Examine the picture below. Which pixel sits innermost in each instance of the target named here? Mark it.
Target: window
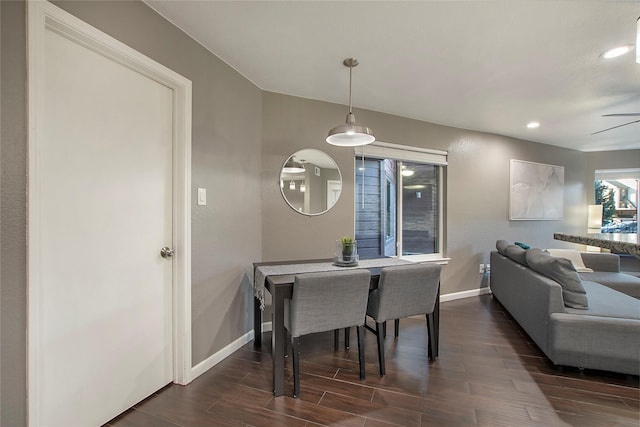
(399, 196)
(420, 208)
(617, 192)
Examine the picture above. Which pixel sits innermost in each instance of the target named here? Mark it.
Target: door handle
(166, 252)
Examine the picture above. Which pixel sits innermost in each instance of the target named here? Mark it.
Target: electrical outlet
(481, 269)
(487, 268)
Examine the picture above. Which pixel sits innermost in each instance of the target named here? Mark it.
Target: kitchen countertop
(616, 242)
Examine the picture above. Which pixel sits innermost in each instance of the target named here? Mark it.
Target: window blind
(613, 174)
(386, 150)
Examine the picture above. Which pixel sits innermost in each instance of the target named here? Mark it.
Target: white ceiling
(486, 66)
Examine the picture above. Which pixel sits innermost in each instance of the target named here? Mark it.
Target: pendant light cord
(350, 78)
(362, 186)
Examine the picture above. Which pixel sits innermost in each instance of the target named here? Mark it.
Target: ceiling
(485, 66)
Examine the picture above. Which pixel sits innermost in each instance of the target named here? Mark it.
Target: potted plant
(348, 244)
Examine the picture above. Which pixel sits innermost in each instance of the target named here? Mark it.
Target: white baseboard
(218, 357)
(464, 294)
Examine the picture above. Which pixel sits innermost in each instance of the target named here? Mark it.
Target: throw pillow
(523, 245)
(501, 245)
(562, 271)
(573, 256)
(517, 254)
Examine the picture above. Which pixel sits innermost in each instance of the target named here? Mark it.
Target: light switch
(202, 196)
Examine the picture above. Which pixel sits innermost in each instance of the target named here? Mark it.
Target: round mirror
(310, 182)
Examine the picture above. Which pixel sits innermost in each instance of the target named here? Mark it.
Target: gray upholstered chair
(404, 291)
(324, 302)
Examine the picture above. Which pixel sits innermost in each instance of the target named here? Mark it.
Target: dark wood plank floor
(489, 373)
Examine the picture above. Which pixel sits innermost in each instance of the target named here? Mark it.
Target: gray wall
(226, 160)
(290, 124)
(13, 134)
(477, 179)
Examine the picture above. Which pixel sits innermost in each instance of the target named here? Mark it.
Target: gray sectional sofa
(586, 320)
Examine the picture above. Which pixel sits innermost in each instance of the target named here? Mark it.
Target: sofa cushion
(517, 254)
(621, 282)
(562, 271)
(573, 256)
(607, 302)
(599, 261)
(501, 245)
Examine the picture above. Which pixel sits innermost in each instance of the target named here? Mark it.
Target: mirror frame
(282, 184)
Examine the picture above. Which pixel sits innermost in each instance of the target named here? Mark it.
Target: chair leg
(396, 327)
(295, 347)
(360, 333)
(347, 334)
(379, 335)
(336, 338)
(384, 329)
(431, 341)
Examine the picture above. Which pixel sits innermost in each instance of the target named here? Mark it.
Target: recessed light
(617, 51)
(533, 125)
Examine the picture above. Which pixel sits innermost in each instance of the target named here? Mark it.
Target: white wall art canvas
(536, 191)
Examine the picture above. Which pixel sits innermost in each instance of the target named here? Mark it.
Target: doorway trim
(44, 16)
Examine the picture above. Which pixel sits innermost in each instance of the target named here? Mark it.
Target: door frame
(44, 16)
(331, 185)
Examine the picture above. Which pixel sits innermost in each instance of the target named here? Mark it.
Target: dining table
(278, 277)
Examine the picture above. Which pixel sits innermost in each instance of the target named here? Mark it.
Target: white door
(334, 187)
(102, 182)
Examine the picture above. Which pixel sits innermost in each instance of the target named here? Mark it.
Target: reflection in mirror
(310, 182)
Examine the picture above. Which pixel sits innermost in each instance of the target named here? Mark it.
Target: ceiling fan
(619, 126)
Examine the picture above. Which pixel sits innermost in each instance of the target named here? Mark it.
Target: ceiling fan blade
(622, 115)
(619, 126)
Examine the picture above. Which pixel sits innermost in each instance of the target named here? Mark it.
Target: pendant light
(291, 166)
(406, 171)
(350, 134)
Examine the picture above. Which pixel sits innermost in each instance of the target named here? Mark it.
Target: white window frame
(614, 174)
(401, 153)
